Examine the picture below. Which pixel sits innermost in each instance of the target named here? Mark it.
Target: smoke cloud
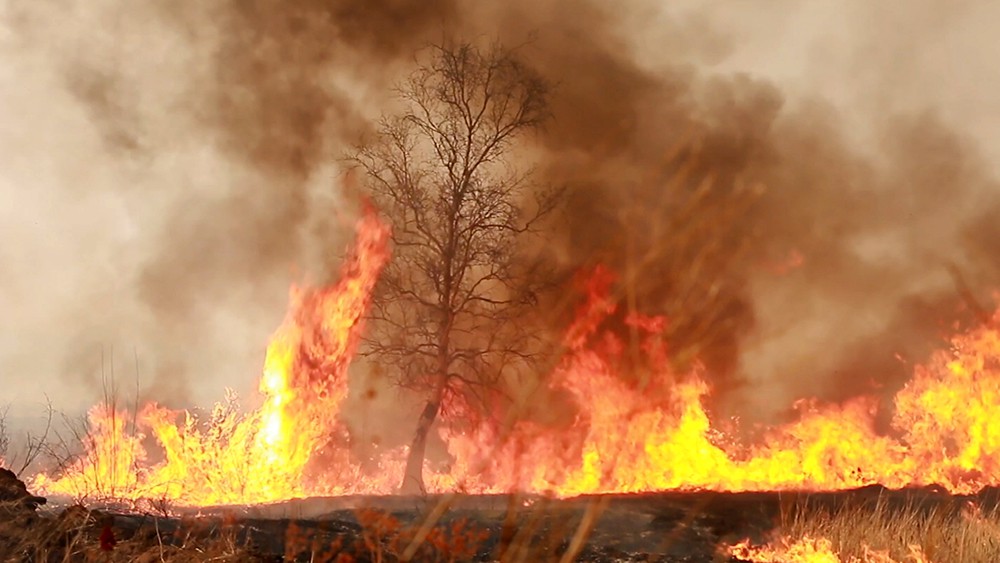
(868, 238)
(805, 193)
(167, 174)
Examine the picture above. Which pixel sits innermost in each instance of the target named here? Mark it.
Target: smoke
(870, 234)
(167, 173)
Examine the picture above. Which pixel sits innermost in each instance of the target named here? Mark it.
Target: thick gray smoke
(791, 187)
(167, 173)
(806, 195)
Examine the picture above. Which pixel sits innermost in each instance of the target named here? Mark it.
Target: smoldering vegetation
(168, 171)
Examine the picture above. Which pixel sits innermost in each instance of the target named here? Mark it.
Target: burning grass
(628, 435)
(80, 534)
(882, 533)
(865, 526)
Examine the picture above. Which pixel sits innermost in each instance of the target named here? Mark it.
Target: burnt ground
(672, 527)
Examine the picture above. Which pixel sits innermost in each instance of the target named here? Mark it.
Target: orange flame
(810, 550)
(627, 436)
(630, 439)
(261, 456)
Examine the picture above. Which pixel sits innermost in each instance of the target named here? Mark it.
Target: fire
(257, 457)
(810, 550)
(629, 439)
(629, 434)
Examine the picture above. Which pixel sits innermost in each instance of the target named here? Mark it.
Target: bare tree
(445, 316)
(32, 445)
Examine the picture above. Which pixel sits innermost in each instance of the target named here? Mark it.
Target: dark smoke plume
(181, 167)
(209, 134)
(790, 258)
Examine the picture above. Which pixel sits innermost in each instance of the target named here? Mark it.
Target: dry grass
(943, 533)
(76, 535)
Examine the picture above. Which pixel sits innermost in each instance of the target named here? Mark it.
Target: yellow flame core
(244, 458)
(629, 433)
(659, 437)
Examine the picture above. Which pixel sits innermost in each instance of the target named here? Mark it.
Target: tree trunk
(413, 476)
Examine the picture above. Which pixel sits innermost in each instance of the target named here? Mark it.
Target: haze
(164, 176)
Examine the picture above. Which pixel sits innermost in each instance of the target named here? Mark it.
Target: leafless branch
(445, 310)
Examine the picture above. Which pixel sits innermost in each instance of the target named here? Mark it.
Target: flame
(814, 550)
(631, 438)
(261, 456)
(631, 432)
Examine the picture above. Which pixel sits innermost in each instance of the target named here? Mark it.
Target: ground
(669, 527)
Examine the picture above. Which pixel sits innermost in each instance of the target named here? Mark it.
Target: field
(870, 524)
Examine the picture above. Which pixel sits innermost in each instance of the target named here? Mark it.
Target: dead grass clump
(970, 534)
(78, 534)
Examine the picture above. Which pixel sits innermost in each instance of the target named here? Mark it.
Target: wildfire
(257, 457)
(810, 550)
(630, 439)
(626, 436)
